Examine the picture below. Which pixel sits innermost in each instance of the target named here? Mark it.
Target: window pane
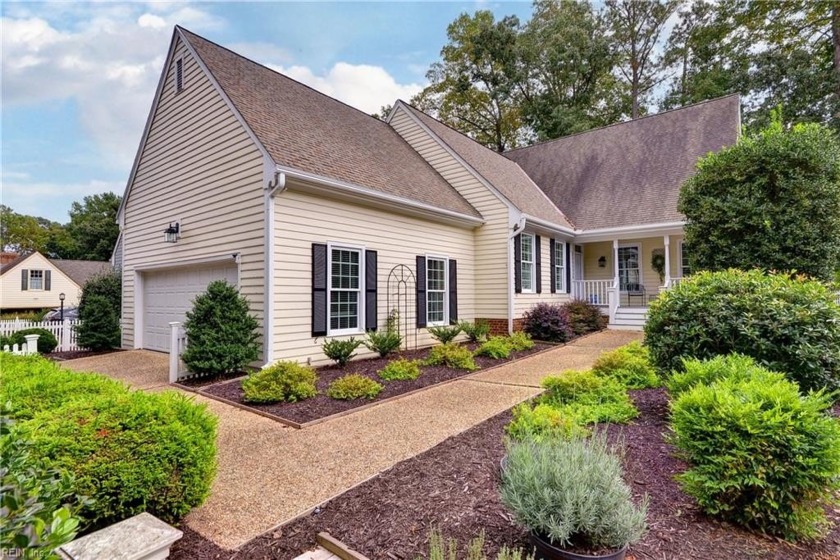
(526, 276)
(560, 270)
(527, 248)
(345, 269)
(436, 312)
(686, 270)
(36, 279)
(436, 274)
(344, 310)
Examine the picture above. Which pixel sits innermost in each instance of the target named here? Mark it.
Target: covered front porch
(623, 274)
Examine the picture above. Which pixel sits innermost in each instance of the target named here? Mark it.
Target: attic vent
(179, 75)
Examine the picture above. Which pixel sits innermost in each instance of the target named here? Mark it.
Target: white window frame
(638, 248)
(361, 289)
(680, 259)
(560, 267)
(183, 85)
(43, 279)
(445, 291)
(531, 264)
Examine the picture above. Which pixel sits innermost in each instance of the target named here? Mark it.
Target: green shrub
(46, 340)
(547, 321)
(584, 317)
(543, 421)
(99, 312)
(129, 451)
(451, 355)
(786, 324)
(588, 398)
(705, 372)
(760, 454)
(571, 491)
(341, 351)
(280, 382)
(630, 365)
(445, 334)
(476, 332)
(443, 549)
(520, 341)
(400, 370)
(383, 342)
(33, 384)
(497, 348)
(353, 386)
(221, 333)
(38, 503)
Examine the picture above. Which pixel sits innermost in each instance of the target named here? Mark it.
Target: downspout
(515, 230)
(275, 186)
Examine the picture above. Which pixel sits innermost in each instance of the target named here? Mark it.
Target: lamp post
(61, 297)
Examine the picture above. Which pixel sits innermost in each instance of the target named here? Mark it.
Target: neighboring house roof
(505, 175)
(630, 173)
(81, 271)
(306, 130)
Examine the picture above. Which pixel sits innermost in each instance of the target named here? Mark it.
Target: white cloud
(363, 86)
(151, 20)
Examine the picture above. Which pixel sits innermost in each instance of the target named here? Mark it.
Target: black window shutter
(319, 289)
(24, 280)
(568, 268)
(371, 278)
(453, 291)
(517, 264)
(48, 280)
(552, 261)
(421, 291)
(538, 261)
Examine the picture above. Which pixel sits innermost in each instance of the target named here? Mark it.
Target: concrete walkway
(269, 473)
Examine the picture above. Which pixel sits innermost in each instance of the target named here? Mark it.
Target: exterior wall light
(173, 233)
(602, 262)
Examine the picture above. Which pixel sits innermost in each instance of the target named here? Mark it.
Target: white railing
(593, 291)
(64, 332)
(177, 345)
(674, 281)
(28, 347)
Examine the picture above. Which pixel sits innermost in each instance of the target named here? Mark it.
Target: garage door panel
(168, 295)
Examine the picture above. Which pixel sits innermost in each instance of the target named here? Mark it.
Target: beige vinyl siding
(12, 297)
(522, 302)
(303, 219)
(491, 253)
(593, 251)
(199, 167)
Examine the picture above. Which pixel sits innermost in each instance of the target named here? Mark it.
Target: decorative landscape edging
(337, 547)
(302, 425)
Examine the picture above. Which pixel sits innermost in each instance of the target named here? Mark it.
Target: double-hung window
(345, 290)
(36, 279)
(436, 290)
(685, 269)
(527, 267)
(559, 267)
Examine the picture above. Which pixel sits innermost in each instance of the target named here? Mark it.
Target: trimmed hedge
(787, 324)
(130, 451)
(46, 340)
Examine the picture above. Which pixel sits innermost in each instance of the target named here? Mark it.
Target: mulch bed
(76, 354)
(322, 406)
(454, 486)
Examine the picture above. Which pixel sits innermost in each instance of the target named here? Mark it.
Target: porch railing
(595, 292)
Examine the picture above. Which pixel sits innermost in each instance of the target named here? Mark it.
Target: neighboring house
(331, 221)
(32, 281)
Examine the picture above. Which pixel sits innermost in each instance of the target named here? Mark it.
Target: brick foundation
(499, 327)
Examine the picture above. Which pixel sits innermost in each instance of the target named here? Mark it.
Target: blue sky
(78, 78)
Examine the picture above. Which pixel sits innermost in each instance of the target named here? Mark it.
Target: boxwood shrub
(46, 340)
(760, 453)
(787, 324)
(129, 451)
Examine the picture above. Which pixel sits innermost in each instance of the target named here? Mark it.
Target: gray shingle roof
(309, 131)
(630, 173)
(502, 173)
(81, 271)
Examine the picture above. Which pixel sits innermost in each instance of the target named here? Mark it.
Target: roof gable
(308, 131)
(505, 175)
(630, 173)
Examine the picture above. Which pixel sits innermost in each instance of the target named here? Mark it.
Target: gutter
(602, 234)
(272, 189)
(515, 230)
(550, 225)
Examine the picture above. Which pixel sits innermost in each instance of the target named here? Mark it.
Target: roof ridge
(289, 78)
(621, 123)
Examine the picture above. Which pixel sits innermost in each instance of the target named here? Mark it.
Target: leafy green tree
(566, 64)
(772, 202)
(472, 88)
(22, 233)
(93, 226)
(221, 333)
(99, 312)
(636, 27)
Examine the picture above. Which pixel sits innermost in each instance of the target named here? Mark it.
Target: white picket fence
(28, 347)
(64, 332)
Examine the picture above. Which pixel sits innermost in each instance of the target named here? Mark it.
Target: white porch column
(615, 260)
(174, 351)
(667, 261)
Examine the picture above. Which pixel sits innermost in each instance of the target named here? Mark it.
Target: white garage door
(168, 295)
